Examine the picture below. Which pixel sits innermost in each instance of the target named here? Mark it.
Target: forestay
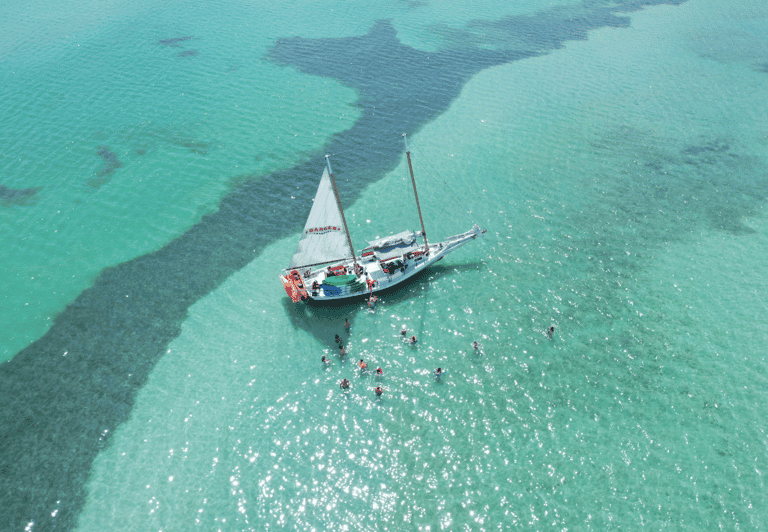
(323, 239)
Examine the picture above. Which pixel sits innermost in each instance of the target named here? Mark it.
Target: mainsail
(323, 239)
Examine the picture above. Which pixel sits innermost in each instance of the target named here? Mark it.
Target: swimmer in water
(337, 339)
(347, 325)
(344, 384)
(476, 345)
(326, 361)
(372, 301)
(362, 365)
(342, 351)
(379, 390)
(550, 331)
(438, 373)
(413, 340)
(403, 332)
(379, 372)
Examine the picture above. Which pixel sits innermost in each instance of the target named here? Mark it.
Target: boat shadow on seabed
(323, 321)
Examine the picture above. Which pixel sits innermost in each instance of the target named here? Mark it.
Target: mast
(341, 210)
(418, 206)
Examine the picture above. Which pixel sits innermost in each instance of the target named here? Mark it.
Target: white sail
(323, 239)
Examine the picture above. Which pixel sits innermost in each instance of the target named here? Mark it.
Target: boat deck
(386, 270)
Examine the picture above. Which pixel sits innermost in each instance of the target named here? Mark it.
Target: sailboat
(324, 267)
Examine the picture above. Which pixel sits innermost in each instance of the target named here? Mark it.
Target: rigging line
(448, 190)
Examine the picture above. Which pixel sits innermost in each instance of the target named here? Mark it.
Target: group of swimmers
(404, 333)
(344, 384)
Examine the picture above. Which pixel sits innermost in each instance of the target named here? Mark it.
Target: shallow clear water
(622, 185)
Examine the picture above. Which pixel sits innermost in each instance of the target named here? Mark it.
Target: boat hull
(374, 276)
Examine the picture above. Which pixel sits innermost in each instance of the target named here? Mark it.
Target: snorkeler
(379, 372)
(413, 340)
(438, 372)
(326, 361)
(336, 338)
(344, 384)
(362, 365)
(379, 390)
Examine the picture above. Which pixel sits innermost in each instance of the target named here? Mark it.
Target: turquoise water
(157, 378)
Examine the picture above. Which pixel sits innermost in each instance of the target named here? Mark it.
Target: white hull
(373, 275)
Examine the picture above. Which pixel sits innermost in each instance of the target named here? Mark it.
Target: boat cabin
(392, 266)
